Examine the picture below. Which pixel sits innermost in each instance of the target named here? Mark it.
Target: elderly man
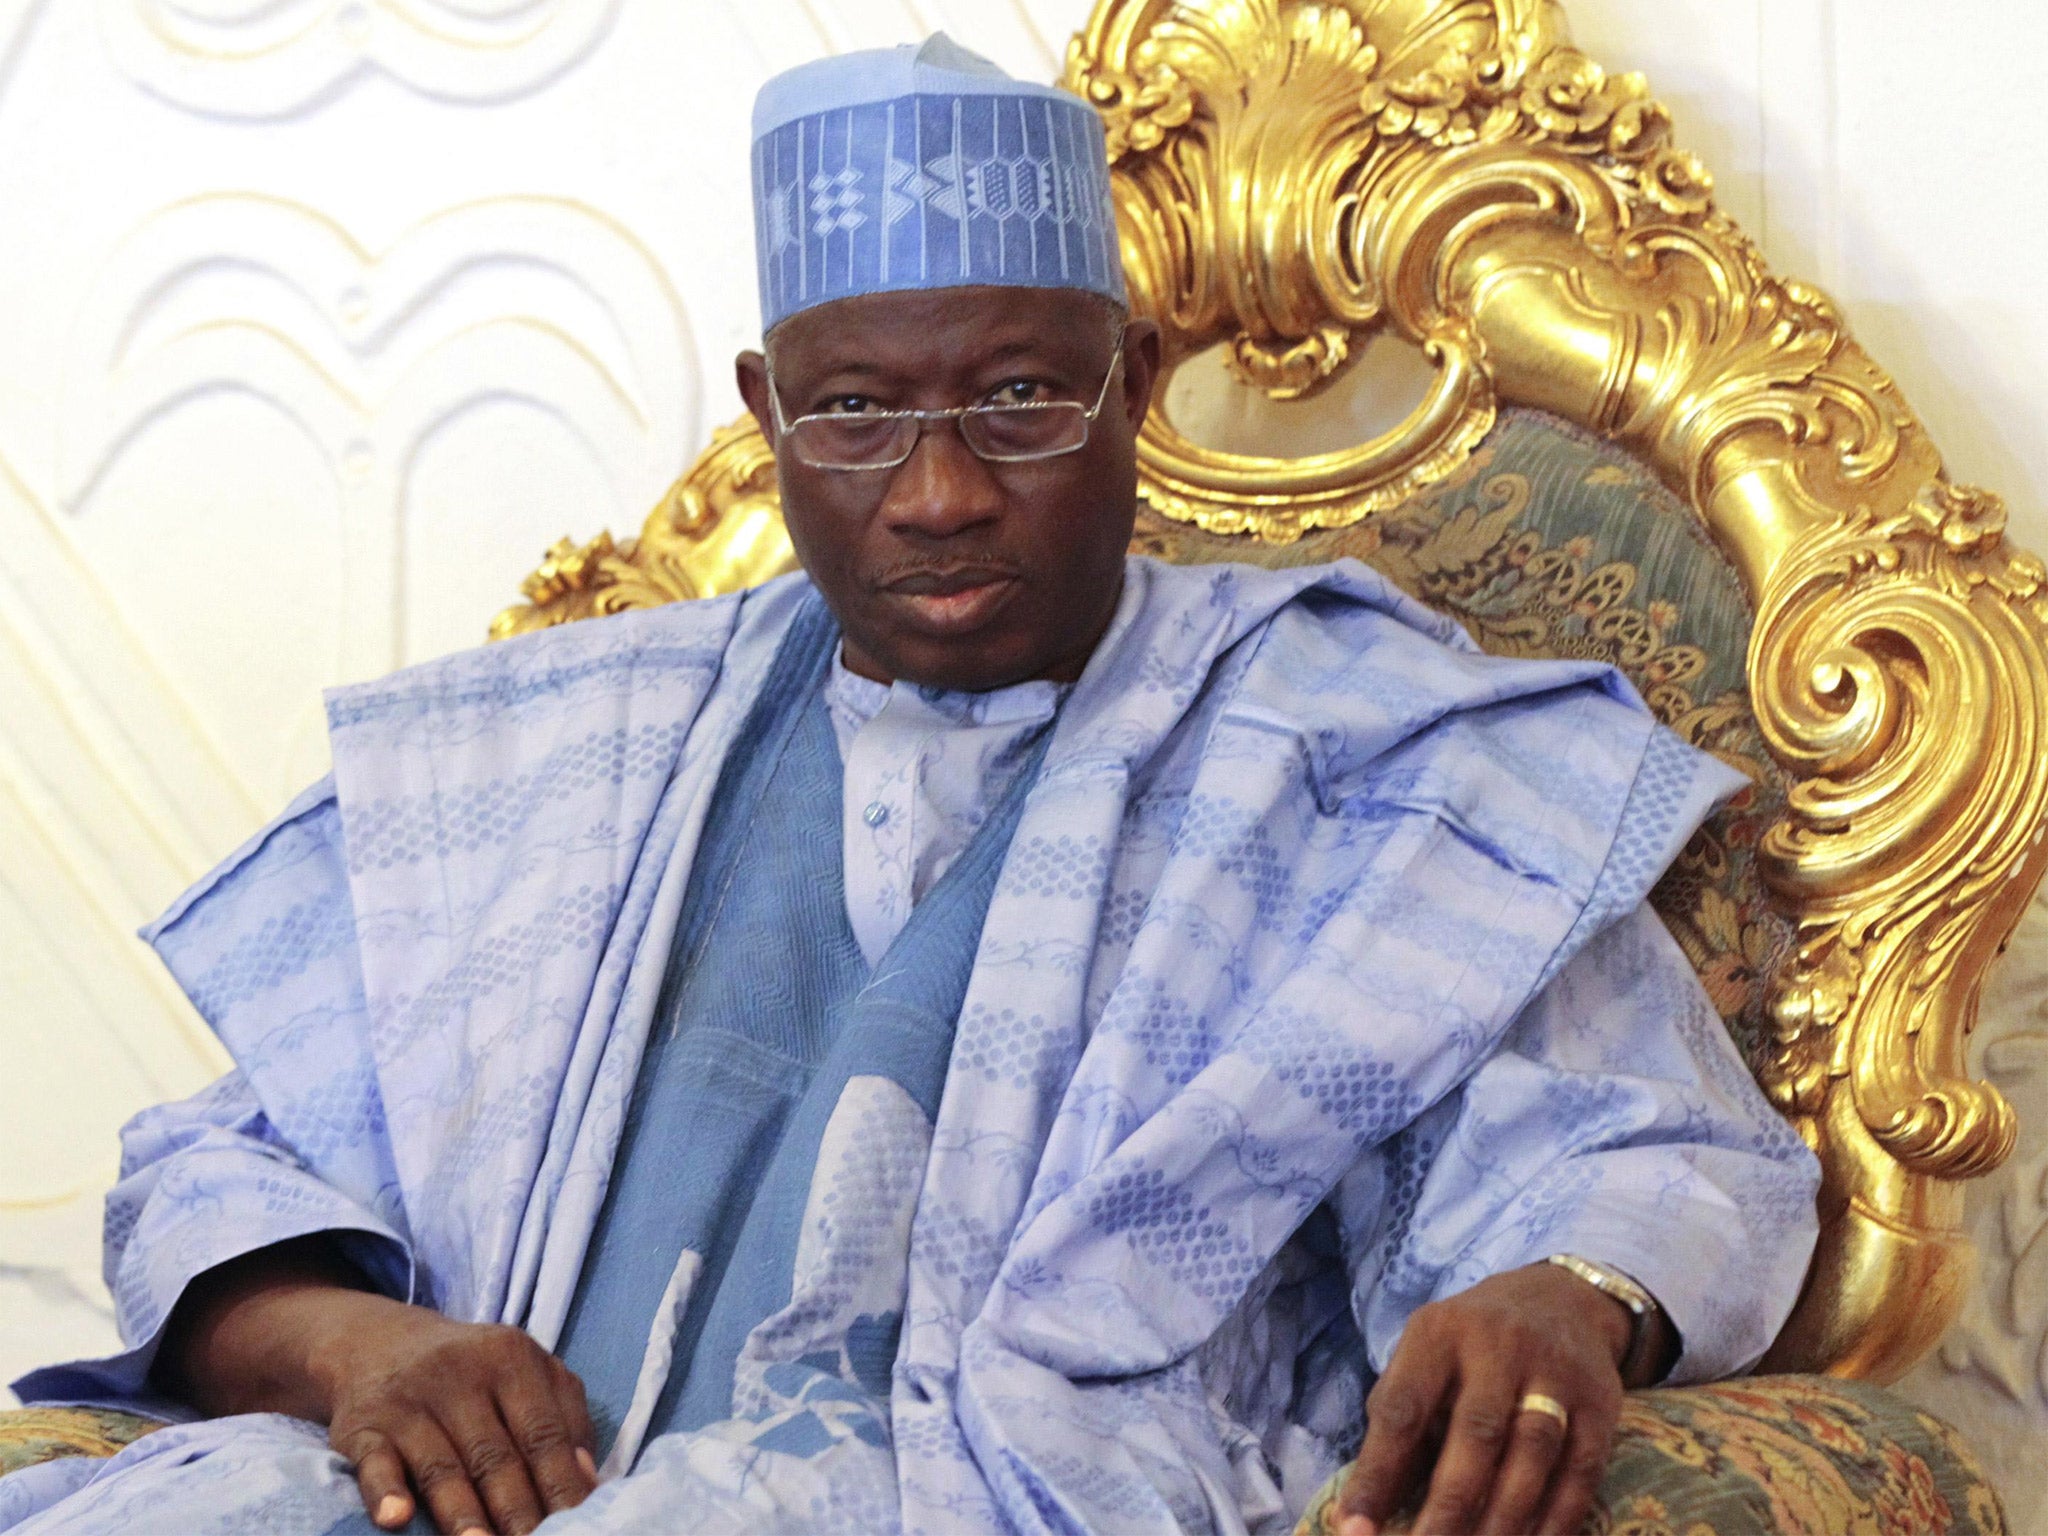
(987, 1035)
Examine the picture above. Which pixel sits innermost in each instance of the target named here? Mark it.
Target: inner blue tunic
(767, 1011)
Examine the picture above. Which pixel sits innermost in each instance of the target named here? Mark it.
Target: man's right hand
(480, 1422)
(490, 1428)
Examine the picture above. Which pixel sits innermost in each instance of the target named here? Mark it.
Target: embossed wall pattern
(269, 61)
(370, 355)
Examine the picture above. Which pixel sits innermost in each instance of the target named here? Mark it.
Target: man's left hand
(1458, 1380)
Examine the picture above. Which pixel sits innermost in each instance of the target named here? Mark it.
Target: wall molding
(369, 355)
(275, 60)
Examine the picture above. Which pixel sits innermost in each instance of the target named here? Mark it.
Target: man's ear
(1141, 369)
(751, 370)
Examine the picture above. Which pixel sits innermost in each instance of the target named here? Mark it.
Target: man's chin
(974, 663)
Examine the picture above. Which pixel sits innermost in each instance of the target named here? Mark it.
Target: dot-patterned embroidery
(1203, 1249)
(1364, 1096)
(284, 946)
(1004, 1046)
(1058, 868)
(462, 820)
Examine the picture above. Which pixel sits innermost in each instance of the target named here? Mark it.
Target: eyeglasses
(999, 434)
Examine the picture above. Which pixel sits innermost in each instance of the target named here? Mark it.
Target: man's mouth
(951, 600)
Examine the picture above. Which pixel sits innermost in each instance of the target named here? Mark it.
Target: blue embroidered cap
(925, 166)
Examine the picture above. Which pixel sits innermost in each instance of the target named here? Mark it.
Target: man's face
(948, 570)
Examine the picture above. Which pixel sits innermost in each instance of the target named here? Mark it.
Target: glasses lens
(1025, 431)
(851, 442)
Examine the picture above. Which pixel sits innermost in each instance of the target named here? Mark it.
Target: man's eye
(1019, 392)
(848, 405)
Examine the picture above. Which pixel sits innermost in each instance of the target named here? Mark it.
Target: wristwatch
(1636, 1366)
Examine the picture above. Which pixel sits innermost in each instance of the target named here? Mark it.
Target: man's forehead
(965, 327)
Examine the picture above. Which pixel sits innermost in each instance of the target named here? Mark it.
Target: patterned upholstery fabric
(1785, 1455)
(1550, 541)
(36, 1435)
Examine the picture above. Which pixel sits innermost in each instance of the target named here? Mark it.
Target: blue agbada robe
(1314, 985)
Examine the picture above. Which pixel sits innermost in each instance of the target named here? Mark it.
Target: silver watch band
(1642, 1307)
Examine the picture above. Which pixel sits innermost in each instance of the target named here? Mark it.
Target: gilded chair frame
(1293, 176)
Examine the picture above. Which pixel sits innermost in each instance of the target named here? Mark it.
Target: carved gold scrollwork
(1897, 668)
(1294, 175)
(1240, 136)
(1904, 685)
(1256, 145)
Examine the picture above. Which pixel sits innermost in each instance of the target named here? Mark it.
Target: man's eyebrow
(838, 371)
(1012, 348)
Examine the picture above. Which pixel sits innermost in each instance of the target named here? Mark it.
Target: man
(985, 1036)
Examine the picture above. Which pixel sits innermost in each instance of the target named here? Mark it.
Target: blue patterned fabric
(760, 968)
(770, 1017)
(926, 167)
(1287, 1017)
(924, 767)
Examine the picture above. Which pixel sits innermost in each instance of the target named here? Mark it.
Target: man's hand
(1454, 1388)
(490, 1429)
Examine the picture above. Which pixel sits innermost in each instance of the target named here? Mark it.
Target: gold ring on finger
(1549, 1407)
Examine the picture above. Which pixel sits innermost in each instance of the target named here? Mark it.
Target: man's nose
(943, 489)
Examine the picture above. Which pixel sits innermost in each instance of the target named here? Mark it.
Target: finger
(1399, 1414)
(380, 1475)
(1481, 1419)
(1581, 1468)
(576, 1405)
(532, 1410)
(1535, 1441)
(491, 1457)
(442, 1481)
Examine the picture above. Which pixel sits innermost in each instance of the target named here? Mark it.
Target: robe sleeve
(204, 1181)
(1617, 1121)
(290, 1143)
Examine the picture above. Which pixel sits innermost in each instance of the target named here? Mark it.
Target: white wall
(319, 319)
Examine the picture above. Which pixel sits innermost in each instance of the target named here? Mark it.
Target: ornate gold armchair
(1638, 443)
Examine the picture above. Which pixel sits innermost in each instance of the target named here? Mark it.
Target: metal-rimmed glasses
(999, 434)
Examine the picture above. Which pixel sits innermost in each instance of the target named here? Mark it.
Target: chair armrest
(32, 1436)
(1796, 1455)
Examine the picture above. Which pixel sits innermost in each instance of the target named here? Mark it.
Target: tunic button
(875, 814)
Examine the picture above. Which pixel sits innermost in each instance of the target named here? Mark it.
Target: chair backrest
(1637, 443)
